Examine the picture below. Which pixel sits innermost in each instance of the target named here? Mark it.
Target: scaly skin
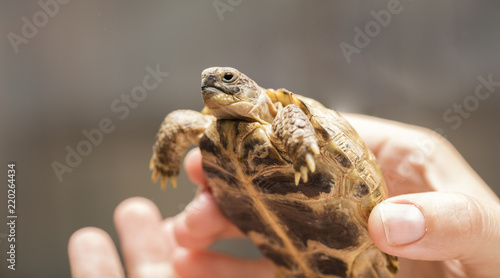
(297, 134)
(179, 130)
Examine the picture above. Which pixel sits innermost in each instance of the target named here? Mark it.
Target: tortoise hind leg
(180, 129)
(293, 129)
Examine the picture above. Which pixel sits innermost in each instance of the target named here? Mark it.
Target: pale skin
(454, 230)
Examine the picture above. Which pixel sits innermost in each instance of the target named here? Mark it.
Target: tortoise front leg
(297, 134)
(180, 129)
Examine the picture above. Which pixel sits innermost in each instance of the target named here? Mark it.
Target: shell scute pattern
(291, 174)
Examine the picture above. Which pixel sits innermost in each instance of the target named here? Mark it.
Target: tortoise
(294, 176)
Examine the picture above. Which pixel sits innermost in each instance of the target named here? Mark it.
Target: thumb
(437, 226)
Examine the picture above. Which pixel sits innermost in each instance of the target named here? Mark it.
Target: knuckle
(412, 154)
(468, 216)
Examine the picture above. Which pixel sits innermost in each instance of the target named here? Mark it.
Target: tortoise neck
(264, 110)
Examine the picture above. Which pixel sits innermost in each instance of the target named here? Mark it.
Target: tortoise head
(229, 94)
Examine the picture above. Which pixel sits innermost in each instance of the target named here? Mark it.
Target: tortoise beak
(209, 81)
(210, 86)
(209, 92)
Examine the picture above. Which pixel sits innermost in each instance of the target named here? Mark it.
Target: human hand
(146, 243)
(152, 247)
(443, 220)
(460, 238)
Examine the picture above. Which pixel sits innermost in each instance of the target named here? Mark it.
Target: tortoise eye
(228, 77)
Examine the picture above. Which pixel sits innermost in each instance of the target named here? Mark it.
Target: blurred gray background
(87, 54)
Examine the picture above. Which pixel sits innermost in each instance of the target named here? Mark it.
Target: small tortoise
(291, 174)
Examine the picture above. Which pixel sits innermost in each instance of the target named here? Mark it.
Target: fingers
(196, 228)
(415, 159)
(405, 152)
(192, 164)
(395, 146)
(92, 254)
(376, 131)
(202, 223)
(439, 226)
(144, 246)
(210, 264)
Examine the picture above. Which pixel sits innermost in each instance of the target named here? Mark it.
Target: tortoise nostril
(209, 81)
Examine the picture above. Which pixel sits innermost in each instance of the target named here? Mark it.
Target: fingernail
(403, 223)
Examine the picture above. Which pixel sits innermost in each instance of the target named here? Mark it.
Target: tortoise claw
(152, 163)
(310, 162)
(315, 149)
(173, 180)
(303, 173)
(154, 176)
(297, 178)
(303, 170)
(163, 182)
(164, 171)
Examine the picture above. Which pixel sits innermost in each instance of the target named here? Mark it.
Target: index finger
(92, 254)
(194, 170)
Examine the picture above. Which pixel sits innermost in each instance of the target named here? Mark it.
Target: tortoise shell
(291, 174)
